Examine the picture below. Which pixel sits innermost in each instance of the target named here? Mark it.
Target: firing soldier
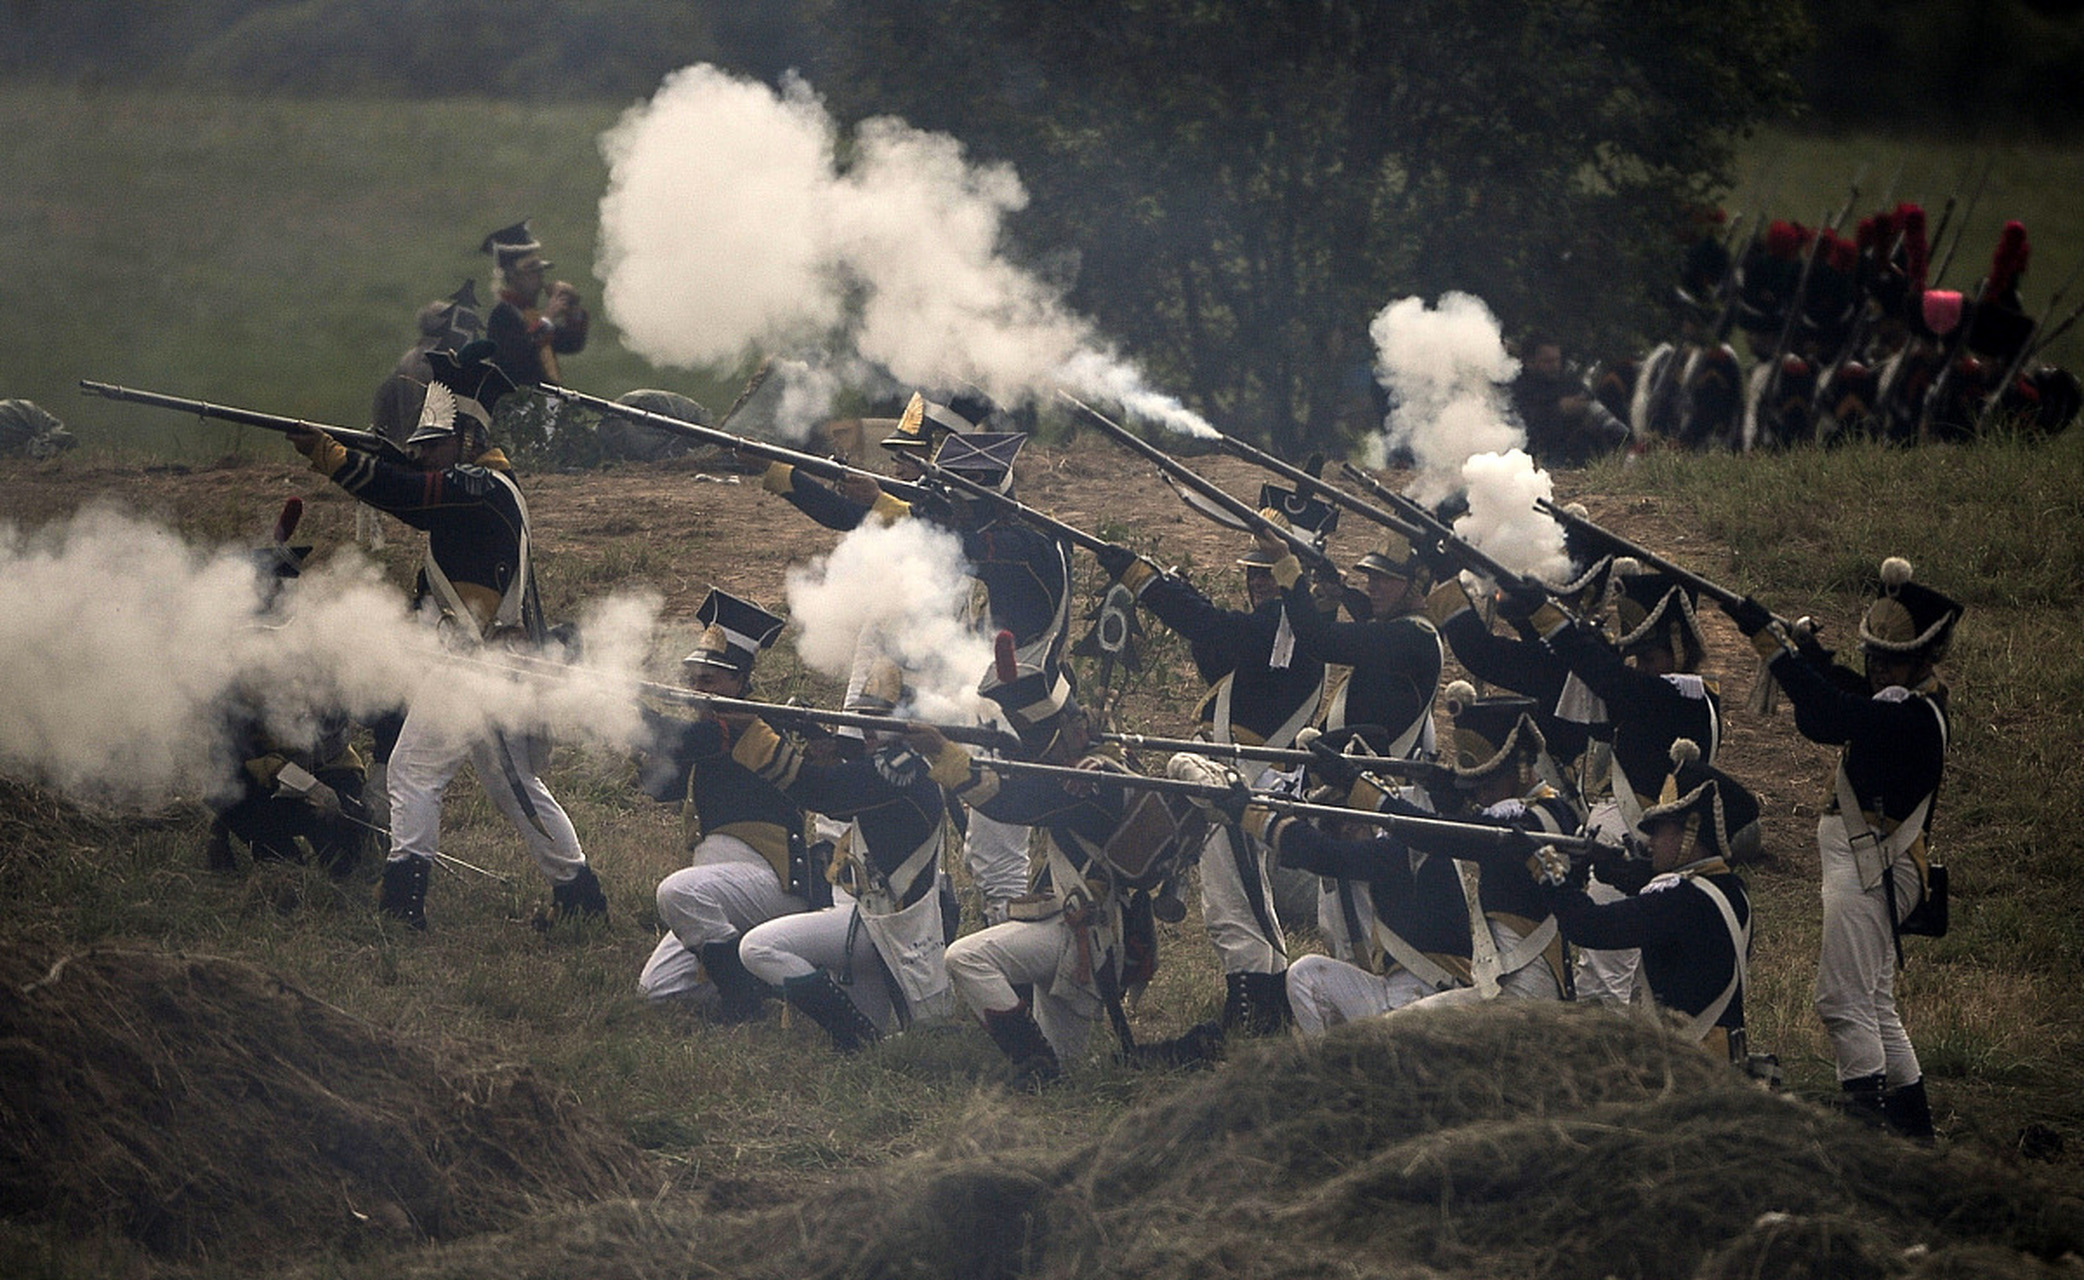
(748, 862)
(478, 578)
(916, 437)
(1649, 684)
(872, 959)
(1264, 688)
(1878, 872)
(1383, 668)
(1083, 939)
(530, 331)
(1691, 921)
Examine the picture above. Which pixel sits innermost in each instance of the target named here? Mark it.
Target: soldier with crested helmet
(478, 578)
(1878, 871)
(530, 331)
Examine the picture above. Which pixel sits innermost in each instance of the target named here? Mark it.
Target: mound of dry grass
(207, 1110)
(1514, 1140)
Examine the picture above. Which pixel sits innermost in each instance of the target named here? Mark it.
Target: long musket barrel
(1431, 527)
(1310, 484)
(366, 441)
(1504, 839)
(521, 664)
(1623, 546)
(810, 463)
(1245, 513)
(1013, 506)
(1269, 755)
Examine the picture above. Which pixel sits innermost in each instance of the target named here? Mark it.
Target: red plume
(1842, 254)
(286, 523)
(1783, 238)
(1002, 659)
(2009, 262)
(1917, 254)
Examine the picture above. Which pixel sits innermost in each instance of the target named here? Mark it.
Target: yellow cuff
(1549, 619)
(1769, 645)
(1138, 574)
(262, 769)
(328, 456)
(1258, 821)
(1447, 600)
(758, 748)
(1366, 795)
(890, 509)
(1287, 570)
(951, 767)
(780, 477)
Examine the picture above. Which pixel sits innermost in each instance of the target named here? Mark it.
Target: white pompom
(1895, 571)
(1684, 752)
(1459, 695)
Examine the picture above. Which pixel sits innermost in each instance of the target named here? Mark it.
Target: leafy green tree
(1241, 187)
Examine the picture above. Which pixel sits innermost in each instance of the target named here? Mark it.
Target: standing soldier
(530, 331)
(479, 577)
(1264, 688)
(748, 863)
(1877, 869)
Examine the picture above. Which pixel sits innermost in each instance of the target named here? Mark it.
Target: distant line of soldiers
(1845, 337)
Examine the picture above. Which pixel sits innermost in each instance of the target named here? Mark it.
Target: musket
(545, 669)
(2033, 346)
(363, 441)
(1387, 765)
(1939, 272)
(1013, 506)
(1623, 546)
(1479, 836)
(808, 463)
(1800, 298)
(1309, 484)
(1240, 514)
(1436, 531)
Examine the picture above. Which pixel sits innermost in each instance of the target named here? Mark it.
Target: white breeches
(985, 967)
(729, 890)
(800, 944)
(426, 760)
(1609, 977)
(1856, 971)
(1237, 904)
(997, 855)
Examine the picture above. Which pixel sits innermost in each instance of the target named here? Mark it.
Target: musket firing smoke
(730, 225)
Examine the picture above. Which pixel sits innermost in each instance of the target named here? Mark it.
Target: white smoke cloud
(903, 589)
(122, 648)
(730, 225)
(1446, 371)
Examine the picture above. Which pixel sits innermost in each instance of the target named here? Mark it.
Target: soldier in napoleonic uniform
(747, 859)
(1264, 689)
(1877, 867)
(479, 580)
(1691, 921)
(289, 784)
(530, 331)
(1649, 684)
(1081, 939)
(1423, 942)
(1383, 672)
(872, 960)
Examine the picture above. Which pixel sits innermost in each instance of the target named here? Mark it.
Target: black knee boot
(1862, 1100)
(1267, 1001)
(580, 896)
(821, 1000)
(1907, 1112)
(1020, 1038)
(743, 995)
(404, 893)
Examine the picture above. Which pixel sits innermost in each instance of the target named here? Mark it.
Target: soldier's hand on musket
(1433, 554)
(860, 488)
(926, 740)
(1269, 541)
(1518, 598)
(1750, 616)
(306, 440)
(1114, 558)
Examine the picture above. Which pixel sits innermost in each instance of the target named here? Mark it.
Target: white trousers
(800, 944)
(1237, 904)
(1325, 992)
(985, 966)
(997, 856)
(1856, 971)
(728, 891)
(425, 761)
(1609, 977)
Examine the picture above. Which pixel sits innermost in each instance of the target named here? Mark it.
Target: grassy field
(271, 253)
